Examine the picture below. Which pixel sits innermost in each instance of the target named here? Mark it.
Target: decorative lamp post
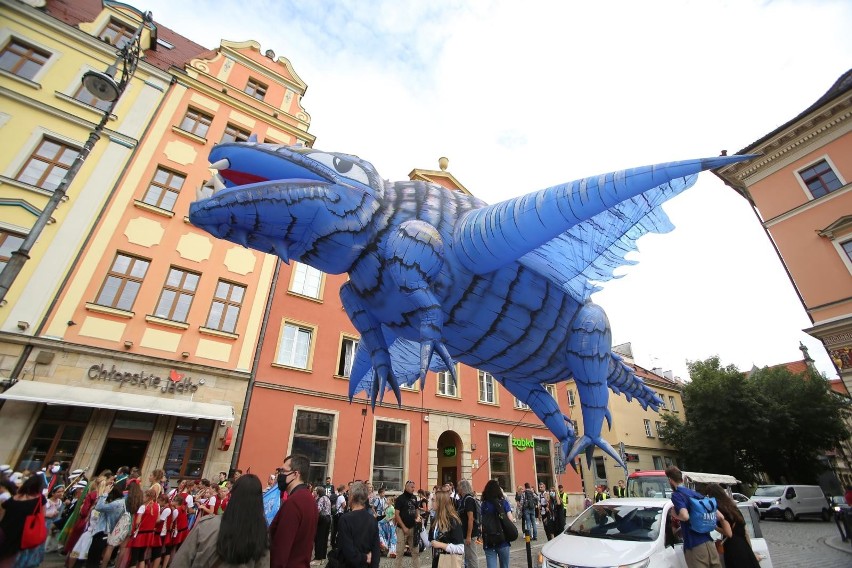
(105, 87)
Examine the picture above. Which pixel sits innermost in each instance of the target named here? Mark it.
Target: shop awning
(49, 393)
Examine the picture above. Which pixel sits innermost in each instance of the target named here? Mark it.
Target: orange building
(443, 432)
(146, 351)
(798, 189)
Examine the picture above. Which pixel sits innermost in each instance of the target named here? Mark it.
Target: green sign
(450, 451)
(522, 444)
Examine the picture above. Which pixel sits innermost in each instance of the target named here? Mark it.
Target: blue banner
(271, 503)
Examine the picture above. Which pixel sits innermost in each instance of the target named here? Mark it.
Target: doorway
(120, 451)
(449, 475)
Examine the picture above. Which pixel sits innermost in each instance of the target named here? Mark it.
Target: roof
(837, 386)
(75, 12)
(840, 87)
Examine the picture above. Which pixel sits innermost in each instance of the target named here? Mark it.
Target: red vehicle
(653, 483)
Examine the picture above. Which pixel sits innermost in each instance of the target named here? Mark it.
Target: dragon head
(295, 202)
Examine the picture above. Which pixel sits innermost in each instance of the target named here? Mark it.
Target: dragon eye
(344, 167)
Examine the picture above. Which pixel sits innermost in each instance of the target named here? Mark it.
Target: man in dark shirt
(292, 531)
(405, 518)
(698, 548)
(469, 513)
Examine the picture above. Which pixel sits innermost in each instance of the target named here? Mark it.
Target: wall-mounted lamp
(71, 322)
(473, 447)
(363, 412)
(128, 344)
(425, 418)
(23, 325)
(185, 354)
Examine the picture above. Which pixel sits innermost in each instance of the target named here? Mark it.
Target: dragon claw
(430, 347)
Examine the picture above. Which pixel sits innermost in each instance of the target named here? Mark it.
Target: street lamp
(106, 88)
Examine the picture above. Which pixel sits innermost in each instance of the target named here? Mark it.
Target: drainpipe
(238, 443)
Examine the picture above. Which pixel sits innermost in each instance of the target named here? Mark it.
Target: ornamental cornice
(823, 123)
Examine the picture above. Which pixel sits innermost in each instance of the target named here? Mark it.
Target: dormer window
(256, 89)
(117, 33)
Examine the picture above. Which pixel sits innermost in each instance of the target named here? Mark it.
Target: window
(225, 310)
(188, 449)
(668, 461)
(658, 425)
(658, 462)
(570, 397)
(389, 455)
(486, 388)
(648, 429)
(234, 134)
(22, 59)
(521, 405)
(551, 389)
(446, 386)
(820, 179)
(9, 243)
(84, 96)
(847, 248)
(178, 293)
(312, 439)
(499, 448)
(543, 463)
(55, 437)
(348, 348)
(306, 281)
(600, 468)
(122, 282)
(196, 122)
(117, 33)
(256, 89)
(672, 405)
(574, 424)
(662, 401)
(164, 189)
(48, 164)
(295, 347)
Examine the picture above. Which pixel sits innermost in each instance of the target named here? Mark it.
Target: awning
(49, 393)
(710, 478)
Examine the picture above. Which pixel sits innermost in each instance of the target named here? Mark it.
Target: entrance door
(119, 451)
(449, 475)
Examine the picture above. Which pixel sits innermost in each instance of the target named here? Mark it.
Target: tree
(774, 421)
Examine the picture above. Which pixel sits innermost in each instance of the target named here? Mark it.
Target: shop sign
(523, 443)
(450, 451)
(175, 383)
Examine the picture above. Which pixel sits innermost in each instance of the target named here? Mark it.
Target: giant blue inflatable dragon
(503, 288)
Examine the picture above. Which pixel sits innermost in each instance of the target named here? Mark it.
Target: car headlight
(640, 564)
(836, 508)
(777, 502)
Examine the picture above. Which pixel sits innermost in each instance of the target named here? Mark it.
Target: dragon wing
(577, 231)
(593, 249)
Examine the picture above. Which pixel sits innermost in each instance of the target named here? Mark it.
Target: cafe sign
(450, 451)
(174, 383)
(523, 443)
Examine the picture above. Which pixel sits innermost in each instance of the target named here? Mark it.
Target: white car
(632, 533)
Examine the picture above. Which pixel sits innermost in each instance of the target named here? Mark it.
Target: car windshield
(619, 522)
(769, 491)
(649, 486)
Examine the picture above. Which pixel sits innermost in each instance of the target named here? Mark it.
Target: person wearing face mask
(293, 530)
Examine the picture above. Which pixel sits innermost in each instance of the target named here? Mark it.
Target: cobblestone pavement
(802, 544)
(806, 543)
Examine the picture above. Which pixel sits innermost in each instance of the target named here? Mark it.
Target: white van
(791, 501)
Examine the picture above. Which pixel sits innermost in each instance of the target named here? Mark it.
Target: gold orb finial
(443, 163)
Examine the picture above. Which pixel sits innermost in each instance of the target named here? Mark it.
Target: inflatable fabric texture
(437, 276)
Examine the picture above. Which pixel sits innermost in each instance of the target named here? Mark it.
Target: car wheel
(789, 516)
(826, 515)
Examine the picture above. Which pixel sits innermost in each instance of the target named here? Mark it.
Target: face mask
(54, 469)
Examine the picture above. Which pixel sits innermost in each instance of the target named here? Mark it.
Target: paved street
(803, 544)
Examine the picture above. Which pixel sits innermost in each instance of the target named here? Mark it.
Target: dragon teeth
(218, 183)
(223, 164)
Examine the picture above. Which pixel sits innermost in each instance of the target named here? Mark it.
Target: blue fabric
(108, 514)
(680, 499)
(438, 276)
(271, 503)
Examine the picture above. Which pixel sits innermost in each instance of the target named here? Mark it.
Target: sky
(525, 95)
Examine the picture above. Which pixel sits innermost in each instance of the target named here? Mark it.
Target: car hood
(586, 551)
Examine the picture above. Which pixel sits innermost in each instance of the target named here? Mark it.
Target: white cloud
(522, 96)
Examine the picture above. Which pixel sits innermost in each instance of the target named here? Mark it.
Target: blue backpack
(702, 513)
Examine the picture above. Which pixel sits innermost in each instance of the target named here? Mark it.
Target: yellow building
(637, 429)
(46, 117)
(145, 353)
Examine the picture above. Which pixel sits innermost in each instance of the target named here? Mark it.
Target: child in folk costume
(180, 523)
(161, 530)
(145, 534)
